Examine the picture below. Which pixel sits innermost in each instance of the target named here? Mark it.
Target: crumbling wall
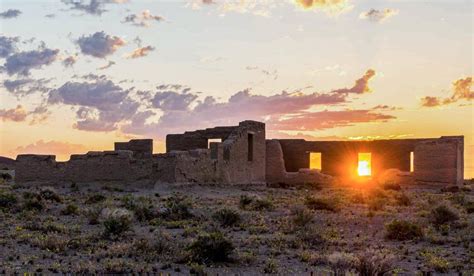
(31, 167)
(141, 148)
(340, 158)
(277, 174)
(440, 160)
(191, 140)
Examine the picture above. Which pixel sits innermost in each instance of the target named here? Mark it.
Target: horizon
(339, 70)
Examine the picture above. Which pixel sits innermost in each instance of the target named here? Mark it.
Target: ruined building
(241, 154)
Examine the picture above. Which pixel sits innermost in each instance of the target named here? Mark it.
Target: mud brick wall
(141, 148)
(191, 140)
(440, 160)
(340, 158)
(31, 167)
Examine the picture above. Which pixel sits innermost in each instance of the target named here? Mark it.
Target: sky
(78, 75)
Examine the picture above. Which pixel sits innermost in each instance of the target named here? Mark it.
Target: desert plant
(33, 204)
(7, 200)
(301, 216)
(51, 242)
(93, 215)
(321, 203)
(245, 201)
(213, 247)
(271, 267)
(403, 199)
(469, 206)
(177, 207)
(260, 204)
(227, 217)
(116, 221)
(340, 262)
(443, 214)
(49, 193)
(403, 230)
(374, 263)
(71, 209)
(95, 198)
(390, 185)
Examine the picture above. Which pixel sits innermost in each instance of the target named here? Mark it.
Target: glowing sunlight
(364, 168)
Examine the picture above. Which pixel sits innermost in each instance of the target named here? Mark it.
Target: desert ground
(360, 228)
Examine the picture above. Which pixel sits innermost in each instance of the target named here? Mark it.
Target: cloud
(311, 121)
(27, 86)
(271, 74)
(94, 7)
(99, 44)
(7, 46)
(255, 7)
(69, 61)
(108, 65)
(361, 85)
(100, 104)
(11, 13)
(17, 114)
(62, 149)
(332, 7)
(141, 52)
(461, 90)
(170, 100)
(143, 19)
(378, 15)
(21, 63)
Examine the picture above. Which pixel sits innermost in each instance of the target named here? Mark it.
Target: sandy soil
(292, 231)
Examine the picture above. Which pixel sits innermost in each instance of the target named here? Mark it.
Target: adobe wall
(141, 148)
(277, 174)
(90, 167)
(225, 162)
(440, 160)
(340, 158)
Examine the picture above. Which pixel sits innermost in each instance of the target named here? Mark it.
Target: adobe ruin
(242, 155)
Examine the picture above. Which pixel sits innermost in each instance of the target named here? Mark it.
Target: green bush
(443, 214)
(177, 208)
(213, 247)
(245, 201)
(71, 209)
(403, 230)
(95, 198)
(261, 204)
(301, 216)
(227, 217)
(50, 193)
(33, 204)
(321, 203)
(374, 263)
(7, 200)
(116, 222)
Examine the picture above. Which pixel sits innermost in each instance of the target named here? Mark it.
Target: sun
(364, 166)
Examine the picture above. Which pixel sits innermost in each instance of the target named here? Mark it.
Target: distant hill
(6, 162)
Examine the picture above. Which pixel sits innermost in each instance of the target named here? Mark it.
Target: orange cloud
(331, 6)
(461, 91)
(17, 114)
(141, 52)
(361, 85)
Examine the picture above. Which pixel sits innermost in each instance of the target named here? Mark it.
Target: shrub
(51, 242)
(403, 230)
(227, 217)
(376, 203)
(321, 203)
(403, 199)
(71, 209)
(439, 264)
(245, 201)
(358, 198)
(116, 222)
(311, 236)
(469, 206)
(213, 247)
(96, 198)
(391, 186)
(7, 200)
(271, 267)
(340, 262)
(260, 204)
(93, 215)
(33, 204)
(373, 263)
(49, 193)
(177, 208)
(443, 214)
(301, 216)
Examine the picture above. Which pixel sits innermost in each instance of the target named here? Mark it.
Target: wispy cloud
(22, 62)
(141, 52)
(461, 90)
(331, 7)
(378, 15)
(94, 7)
(11, 13)
(17, 114)
(143, 19)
